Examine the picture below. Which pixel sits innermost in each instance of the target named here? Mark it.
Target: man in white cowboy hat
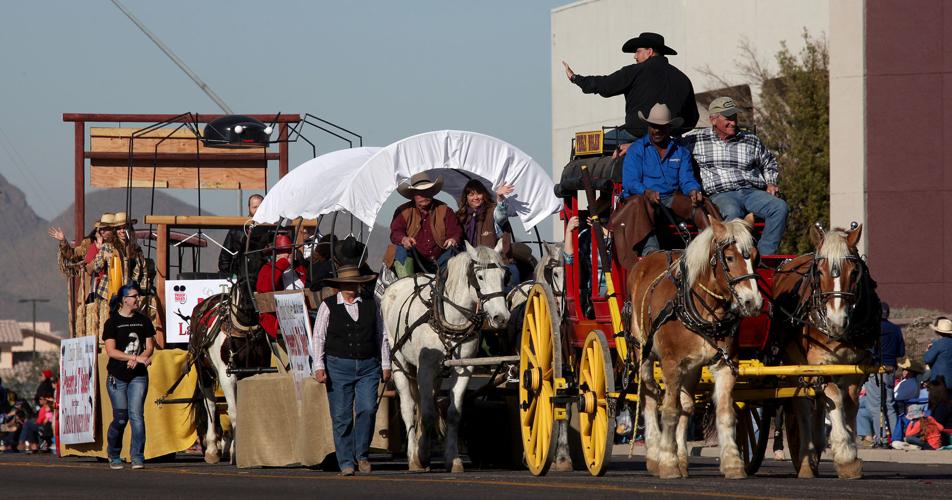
(939, 359)
(423, 224)
(739, 173)
(351, 356)
(658, 170)
(652, 79)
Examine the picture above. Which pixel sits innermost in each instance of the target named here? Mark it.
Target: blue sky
(386, 69)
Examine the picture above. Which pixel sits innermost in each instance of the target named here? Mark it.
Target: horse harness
(451, 336)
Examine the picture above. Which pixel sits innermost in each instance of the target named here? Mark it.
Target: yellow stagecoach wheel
(540, 364)
(596, 416)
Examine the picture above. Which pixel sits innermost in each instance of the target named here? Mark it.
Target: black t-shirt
(130, 335)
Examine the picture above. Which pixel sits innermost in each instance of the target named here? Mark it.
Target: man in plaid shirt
(739, 173)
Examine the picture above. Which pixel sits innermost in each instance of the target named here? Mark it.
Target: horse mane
(834, 247)
(698, 253)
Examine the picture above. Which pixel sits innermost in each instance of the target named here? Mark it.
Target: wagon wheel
(596, 413)
(753, 430)
(540, 364)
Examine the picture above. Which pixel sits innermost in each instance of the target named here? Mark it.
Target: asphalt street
(33, 476)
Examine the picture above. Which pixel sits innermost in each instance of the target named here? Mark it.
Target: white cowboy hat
(661, 115)
(942, 325)
(121, 219)
(913, 365)
(420, 184)
(107, 219)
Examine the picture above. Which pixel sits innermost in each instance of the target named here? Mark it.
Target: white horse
(224, 332)
(474, 283)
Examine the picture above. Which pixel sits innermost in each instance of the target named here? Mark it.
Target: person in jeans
(739, 173)
(892, 347)
(129, 339)
(350, 349)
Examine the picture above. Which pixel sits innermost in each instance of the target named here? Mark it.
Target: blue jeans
(864, 420)
(402, 256)
(128, 401)
(651, 241)
(736, 204)
(352, 395)
(874, 404)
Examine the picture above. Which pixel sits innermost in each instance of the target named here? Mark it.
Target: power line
(178, 62)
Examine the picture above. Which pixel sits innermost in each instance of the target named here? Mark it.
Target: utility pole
(34, 301)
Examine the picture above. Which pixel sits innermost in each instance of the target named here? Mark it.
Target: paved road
(32, 476)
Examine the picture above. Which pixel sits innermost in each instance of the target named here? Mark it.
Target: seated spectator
(908, 387)
(422, 225)
(12, 425)
(923, 431)
(484, 221)
(40, 424)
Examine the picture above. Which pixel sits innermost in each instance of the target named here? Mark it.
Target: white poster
(77, 411)
(296, 328)
(181, 297)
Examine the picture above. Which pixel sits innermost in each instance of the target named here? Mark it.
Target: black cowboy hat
(650, 41)
(349, 251)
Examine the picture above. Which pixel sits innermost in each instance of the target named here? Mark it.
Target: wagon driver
(423, 224)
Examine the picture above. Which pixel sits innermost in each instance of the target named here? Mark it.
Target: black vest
(351, 339)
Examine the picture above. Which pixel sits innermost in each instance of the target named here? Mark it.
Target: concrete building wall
(908, 135)
(589, 35)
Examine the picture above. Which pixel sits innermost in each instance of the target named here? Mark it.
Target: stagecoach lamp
(853, 225)
(268, 130)
(238, 129)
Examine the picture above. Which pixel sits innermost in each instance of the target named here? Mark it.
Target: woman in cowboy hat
(424, 225)
(351, 356)
(939, 359)
(75, 262)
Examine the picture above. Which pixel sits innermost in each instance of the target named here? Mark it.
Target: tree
(793, 120)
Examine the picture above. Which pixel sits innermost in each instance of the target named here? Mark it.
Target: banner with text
(296, 328)
(181, 297)
(77, 411)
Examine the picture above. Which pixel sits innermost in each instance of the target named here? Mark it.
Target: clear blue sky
(386, 69)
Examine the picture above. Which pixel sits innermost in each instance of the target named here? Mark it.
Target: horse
(430, 318)
(224, 334)
(826, 311)
(548, 269)
(687, 308)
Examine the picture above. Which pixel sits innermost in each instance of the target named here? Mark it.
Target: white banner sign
(296, 328)
(77, 411)
(181, 297)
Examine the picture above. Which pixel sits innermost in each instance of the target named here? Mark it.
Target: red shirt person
(277, 275)
(423, 224)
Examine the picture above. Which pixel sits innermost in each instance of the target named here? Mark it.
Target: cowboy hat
(420, 184)
(912, 365)
(942, 326)
(107, 219)
(348, 274)
(282, 243)
(660, 115)
(349, 251)
(648, 40)
(120, 219)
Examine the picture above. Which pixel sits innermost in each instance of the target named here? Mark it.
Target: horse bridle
(818, 299)
(474, 281)
(720, 258)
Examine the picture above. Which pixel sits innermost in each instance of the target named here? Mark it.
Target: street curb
(867, 455)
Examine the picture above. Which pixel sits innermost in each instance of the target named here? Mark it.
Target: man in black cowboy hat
(351, 356)
(423, 224)
(651, 80)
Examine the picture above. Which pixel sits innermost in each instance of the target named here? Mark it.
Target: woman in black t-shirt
(128, 336)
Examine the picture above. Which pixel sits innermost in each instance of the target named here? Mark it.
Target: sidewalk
(866, 454)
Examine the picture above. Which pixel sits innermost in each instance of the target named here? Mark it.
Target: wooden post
(161, 274)
(79, 179)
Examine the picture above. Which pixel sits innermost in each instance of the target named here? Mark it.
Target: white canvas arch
(492, 159)
(314, 188)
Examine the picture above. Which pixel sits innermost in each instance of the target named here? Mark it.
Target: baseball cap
(722, 106)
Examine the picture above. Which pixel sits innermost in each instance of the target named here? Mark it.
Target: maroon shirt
(426, 244)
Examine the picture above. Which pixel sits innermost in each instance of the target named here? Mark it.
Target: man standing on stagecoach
(422, 224)
(739, 173)
(651, 80)
(230, 260)
(351, 356)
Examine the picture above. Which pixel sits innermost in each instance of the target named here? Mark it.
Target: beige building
(17, 341)
(886, 60)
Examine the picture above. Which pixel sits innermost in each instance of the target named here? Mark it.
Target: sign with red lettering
(589, 143)
(296, 328)
(181, 297)
(77, 411)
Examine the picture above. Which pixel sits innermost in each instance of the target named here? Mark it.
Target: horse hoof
(806, 473)
(416, 467)
(212, 458)
(652, 467)
(735, 473)
(563, 465)
(669, 472)
(457, 467)
(850, 470)
(683, 467)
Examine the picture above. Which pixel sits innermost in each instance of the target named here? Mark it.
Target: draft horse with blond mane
(826, 311)
(686, 311)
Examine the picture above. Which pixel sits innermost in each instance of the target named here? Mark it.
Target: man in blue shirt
(891, 347)
(659, 170)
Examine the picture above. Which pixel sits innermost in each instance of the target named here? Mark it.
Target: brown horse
(826, 311)
(687, 308)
